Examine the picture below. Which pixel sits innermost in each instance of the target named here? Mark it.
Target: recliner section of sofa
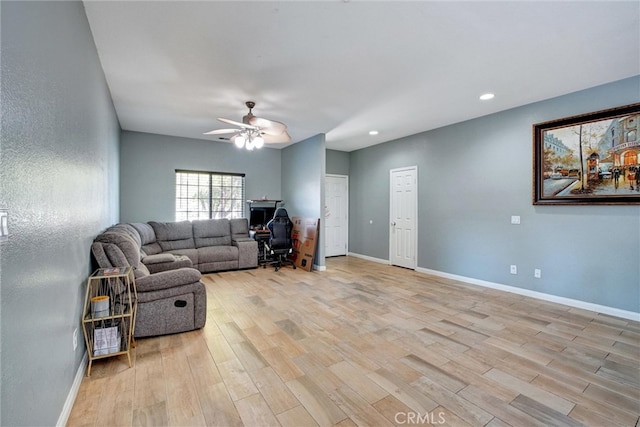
(169, 301)
(168, 259)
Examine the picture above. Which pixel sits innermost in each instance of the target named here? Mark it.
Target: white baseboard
(368, 258)
(71, 397)
(611, 311)
(319, 267)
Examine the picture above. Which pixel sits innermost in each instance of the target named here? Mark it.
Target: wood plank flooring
(372, 345)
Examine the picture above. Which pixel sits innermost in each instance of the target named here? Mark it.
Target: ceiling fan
(254, 132)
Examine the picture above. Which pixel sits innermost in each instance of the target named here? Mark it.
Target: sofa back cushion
(239, 228)
(125, 229)
(119, 249)
(97, 249)
(173, 235)
(149, 245)
(211, 232)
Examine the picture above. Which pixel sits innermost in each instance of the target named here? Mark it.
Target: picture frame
(590, 159)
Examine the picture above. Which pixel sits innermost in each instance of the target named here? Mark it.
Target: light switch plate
(515, 219)
(4, 225)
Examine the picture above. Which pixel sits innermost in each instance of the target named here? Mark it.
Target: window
(204, 195)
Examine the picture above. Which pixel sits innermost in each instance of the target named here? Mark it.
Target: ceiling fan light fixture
(239, 141)
(251, 130)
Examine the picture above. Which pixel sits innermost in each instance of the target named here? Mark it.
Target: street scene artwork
(589, 159)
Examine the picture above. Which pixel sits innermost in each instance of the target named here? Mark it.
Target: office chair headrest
(281, 213)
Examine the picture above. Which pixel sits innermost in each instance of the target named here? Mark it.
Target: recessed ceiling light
(487, 96)
(373, 132)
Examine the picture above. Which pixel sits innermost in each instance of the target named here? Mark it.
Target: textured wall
(59, 175)
(472, 177)
(148, 164)
(303, 172)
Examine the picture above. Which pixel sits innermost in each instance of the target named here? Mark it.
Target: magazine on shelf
(112, 270)
(106, 340)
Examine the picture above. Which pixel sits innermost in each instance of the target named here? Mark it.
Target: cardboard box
(305, 240)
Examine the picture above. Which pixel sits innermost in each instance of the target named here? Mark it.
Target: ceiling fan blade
(271, 127)
(275, 139)
(239, 124)
(221, 131)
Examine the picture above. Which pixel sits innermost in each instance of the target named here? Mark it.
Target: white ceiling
(344, 68)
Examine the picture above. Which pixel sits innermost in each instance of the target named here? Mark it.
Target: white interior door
(403, 212)
(336, 214)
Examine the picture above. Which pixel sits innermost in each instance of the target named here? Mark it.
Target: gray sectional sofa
(168, 259)
(210, 244)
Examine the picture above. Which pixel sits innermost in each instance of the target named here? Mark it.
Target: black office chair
(280, 242)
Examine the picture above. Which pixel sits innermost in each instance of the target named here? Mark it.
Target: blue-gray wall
(303, 172)
(472, 177)
(149, 161)
(338, 162)
(59, 181)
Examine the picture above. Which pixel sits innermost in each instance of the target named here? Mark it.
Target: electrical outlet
(75, 339)
(514, 269)
(515, 219)
(537, 273)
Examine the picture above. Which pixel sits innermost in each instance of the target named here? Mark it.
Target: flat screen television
(260, 216)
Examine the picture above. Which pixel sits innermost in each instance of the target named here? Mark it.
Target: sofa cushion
(173, 235)
(147, 235)
(217, 254)
(97, 249)
(141, 271)
(239, 228)
(211, 232)
(151, 249)
(148, 243)
(115, 254)
(192, 254)
(129, 252)
(126, 229)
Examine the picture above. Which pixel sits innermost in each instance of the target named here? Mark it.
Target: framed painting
(588, 159)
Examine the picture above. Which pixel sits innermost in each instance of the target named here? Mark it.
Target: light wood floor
(372, 345)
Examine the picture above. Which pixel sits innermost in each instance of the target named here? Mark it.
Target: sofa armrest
(237, 240)
(158, 258)
(247, 252)
(166, 261)
(168, 279)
